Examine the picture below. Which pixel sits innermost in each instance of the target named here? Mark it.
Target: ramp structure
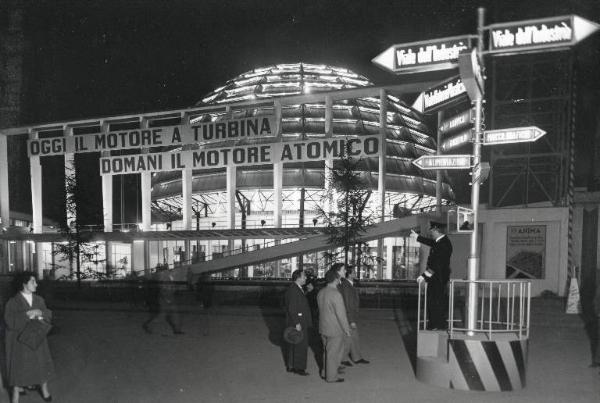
(312, 243)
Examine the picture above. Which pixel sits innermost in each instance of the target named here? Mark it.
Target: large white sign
(235, 129)
(258, 154)
(416, 57)
(540, 34)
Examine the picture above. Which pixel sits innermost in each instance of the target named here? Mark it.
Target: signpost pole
(473, 260)
(438, 174)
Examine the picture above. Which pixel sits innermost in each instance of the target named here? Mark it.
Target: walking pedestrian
(162, 303)
(27, 363)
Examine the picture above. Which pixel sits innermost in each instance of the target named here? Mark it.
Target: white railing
(502, 307)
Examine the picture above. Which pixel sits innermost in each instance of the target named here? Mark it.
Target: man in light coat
(333, 325)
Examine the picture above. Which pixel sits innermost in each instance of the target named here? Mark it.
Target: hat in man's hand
(436, 225)
(292, 335)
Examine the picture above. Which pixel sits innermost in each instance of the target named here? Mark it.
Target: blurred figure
(333, 325)
(162, 303)
(26, 365)
(298, 315)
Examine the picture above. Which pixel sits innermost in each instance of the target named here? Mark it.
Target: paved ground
(232, 355)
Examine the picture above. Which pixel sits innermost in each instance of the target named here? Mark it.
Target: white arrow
(512, 135)
(458, 161)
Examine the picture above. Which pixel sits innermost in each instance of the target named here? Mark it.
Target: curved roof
(407, 135)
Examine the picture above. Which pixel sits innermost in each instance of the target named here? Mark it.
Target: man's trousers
(333, 350)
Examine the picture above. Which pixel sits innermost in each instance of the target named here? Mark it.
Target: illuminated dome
(407, 139)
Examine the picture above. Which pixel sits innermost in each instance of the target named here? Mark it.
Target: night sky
(89, 59)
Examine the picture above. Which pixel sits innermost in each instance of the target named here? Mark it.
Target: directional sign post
(458, 161)
(539, 35)
(416, 57)
(513, 135)
(554, 33)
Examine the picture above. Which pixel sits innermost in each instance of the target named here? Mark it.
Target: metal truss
(532, 90)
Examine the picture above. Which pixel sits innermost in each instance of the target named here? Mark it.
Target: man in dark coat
(437, 274)
(352, 303)
(298, 315)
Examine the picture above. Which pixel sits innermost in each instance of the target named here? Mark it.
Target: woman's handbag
(34, 333)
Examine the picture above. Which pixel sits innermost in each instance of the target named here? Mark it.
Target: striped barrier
(498, 365)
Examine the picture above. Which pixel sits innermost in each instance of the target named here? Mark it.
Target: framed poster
(526, 251)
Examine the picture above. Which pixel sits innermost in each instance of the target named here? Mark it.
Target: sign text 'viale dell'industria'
(235, 129)
(257, 154)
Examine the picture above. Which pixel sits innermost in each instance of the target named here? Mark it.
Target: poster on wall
(526, 251)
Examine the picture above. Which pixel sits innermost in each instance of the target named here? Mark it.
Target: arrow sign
(458, 161)
(441, 95)
(456, 141)
(540, 34)
(514, 135)
(456, 122)
(431, 55)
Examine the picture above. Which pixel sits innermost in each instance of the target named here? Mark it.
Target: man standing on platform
(333, 325)
(298, 315)
(437, 274)
(351, 302)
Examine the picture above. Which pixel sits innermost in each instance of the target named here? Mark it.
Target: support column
(231, 180)
(107, 199)
(4, 199)
(382, 171)
(36, 189)
(70, 183)
(186, 181)
(278, 175)
(278, 194)
(329, 161)
(146, 191)
(389, 264)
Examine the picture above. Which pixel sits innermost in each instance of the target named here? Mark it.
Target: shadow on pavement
(405, 319)
(274, 318)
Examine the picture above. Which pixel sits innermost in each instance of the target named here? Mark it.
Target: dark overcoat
(439, 257)
(351, 299)
(25, 366)
(296, 307)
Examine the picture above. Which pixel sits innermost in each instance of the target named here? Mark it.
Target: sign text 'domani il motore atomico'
(258, 154)
(235, 129)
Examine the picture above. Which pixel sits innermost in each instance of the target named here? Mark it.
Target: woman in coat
(26, 366)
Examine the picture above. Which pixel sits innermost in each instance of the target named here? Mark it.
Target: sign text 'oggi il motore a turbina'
(257, 154)
(235, 129)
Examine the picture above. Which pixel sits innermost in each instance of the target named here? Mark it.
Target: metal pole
(438, 175)
(473, 261)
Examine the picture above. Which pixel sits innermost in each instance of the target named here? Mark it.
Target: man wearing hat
(437, 274)
(298, 318)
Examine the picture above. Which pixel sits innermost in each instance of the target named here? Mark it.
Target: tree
(77, 246)
(349, 219)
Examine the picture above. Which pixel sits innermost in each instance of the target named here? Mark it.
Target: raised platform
(472, 362)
